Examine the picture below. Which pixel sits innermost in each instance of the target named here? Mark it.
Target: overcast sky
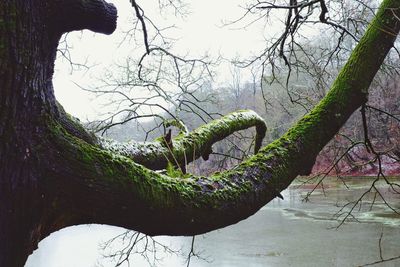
(201, 31)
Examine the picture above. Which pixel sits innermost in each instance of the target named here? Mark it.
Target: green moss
(272, 169)
(175, 172)
(157, 189)
(252, 183)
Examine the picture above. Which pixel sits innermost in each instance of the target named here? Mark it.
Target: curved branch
(186, 148)
(94, 185)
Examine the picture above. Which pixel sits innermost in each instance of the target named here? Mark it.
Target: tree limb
(188, 147)
(98, 186)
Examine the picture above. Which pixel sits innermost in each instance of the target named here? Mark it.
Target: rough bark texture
(53, 174)
(29, 35)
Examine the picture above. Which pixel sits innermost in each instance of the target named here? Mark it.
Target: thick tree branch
(188, 147)
(98, 186)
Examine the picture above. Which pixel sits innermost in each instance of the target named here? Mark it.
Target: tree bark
(187, 147)
(29, 35)
(54, 174)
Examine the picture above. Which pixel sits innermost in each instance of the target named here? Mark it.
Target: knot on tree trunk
(72, 15)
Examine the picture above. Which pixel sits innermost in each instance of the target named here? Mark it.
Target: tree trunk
(25, 84)
(29, 35)
(53, 174)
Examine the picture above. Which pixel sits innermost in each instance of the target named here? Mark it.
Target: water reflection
(289, 232)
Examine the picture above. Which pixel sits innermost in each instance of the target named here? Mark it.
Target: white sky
(199, 32)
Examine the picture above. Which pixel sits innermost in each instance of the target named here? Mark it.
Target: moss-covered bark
(187, 147)
(57, 175)
(198, 204)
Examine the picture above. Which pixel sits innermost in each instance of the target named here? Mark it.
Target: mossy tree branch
(137, 198)
(186, 148)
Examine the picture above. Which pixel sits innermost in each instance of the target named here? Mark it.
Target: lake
(289, 232)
